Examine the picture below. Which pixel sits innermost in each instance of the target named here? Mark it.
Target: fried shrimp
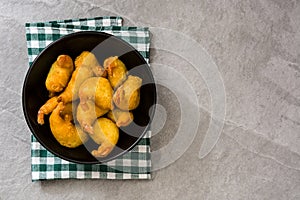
(97, 89)
(106, 134)
(59, 74)
(127, 96)
(64, 131)
(116, 71)
(89, 60)
(86, 117)
(86, 59)
(46, 109)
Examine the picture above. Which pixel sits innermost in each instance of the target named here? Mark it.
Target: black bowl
(102, 45)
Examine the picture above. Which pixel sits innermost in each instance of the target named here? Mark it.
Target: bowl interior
(102, 45)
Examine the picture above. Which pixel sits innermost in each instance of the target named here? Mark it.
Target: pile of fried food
(89, 100)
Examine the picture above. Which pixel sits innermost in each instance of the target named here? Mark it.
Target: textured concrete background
(256, 45)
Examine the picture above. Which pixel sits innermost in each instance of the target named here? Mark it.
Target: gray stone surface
(255, 44)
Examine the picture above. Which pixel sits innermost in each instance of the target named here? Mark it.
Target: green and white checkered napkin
(135, 164)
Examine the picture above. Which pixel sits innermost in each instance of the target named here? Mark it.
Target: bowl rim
(151, 111)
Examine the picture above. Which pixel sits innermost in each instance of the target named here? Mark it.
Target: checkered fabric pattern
(135, 164)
